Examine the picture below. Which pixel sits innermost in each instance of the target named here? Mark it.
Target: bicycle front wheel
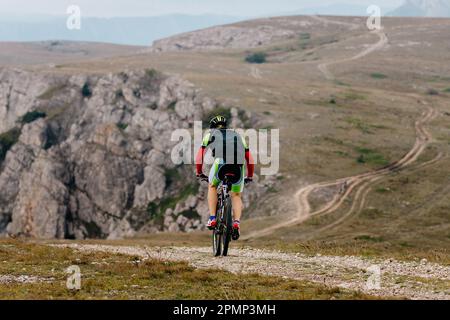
(217, 242)
(229, 226)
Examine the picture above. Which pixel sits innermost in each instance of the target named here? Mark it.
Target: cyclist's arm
(249, 160)
(250, 163)
(201, 154)
(199, 160)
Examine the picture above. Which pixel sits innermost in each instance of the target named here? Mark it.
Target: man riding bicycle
(232, 158)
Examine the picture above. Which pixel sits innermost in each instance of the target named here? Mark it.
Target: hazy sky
(110, 8)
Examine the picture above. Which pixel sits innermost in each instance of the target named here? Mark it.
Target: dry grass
(112, 276)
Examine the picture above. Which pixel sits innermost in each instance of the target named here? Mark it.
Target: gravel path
(413, 280)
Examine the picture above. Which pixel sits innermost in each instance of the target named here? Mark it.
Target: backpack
(227, 145)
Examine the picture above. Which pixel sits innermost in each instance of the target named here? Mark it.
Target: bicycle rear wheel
(229, 226)
(218, 231)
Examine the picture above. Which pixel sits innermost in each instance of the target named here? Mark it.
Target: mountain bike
(221, 236)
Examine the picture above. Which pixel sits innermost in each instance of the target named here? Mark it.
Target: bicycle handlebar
(204, 178)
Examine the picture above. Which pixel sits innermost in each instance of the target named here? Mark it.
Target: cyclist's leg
(236, 192)
(212, 189)
(236, 199)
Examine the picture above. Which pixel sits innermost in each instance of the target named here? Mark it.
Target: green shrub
(152, 73)
(353, 96)
(151, 81)
(272, 190)
(432, 92)
(119, 94)
(154, 106)
(305, 41)
(447, 90)
(258, 57)
(152, 210)
(190, 214)
(52, 138)
(122, 126)
(369, 238)
(371, 157)
(382, 190)
(377, 75)
(361, 159)
(156, 211)
(305, 36)
(172, 105)
(124, 76)
(32, 116)
(7, 140)
(137, 93)
(340, 83)
(86, 90)
(171, 176)
(360, 125)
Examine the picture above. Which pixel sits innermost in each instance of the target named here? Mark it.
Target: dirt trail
(326, 21)
(360, 184)
(255, 73)
(414, 280)
(324, 67)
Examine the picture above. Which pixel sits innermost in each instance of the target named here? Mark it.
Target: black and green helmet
(218, 121)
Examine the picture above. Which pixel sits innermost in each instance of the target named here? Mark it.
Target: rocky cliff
(243, 35)
(89, 156)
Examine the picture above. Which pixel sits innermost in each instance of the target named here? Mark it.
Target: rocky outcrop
(18, 93)
(222, 37)
(92, 159)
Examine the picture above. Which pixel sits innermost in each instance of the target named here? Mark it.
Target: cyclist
(230, 152)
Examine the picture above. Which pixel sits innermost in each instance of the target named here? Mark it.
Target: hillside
(363, 119)
(55, 52)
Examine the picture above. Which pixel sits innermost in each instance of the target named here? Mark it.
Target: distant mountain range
(143, 31)
(339, 9)
(410, 8)
(422, 8)
(125, 30)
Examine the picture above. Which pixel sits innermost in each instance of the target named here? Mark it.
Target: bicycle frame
(222, 232)
(223, 195)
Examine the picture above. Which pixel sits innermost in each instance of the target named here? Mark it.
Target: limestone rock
(99, 164)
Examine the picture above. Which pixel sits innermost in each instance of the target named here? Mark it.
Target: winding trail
(356, 183)
(360, 184)
(324, 67)
(326, 21)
